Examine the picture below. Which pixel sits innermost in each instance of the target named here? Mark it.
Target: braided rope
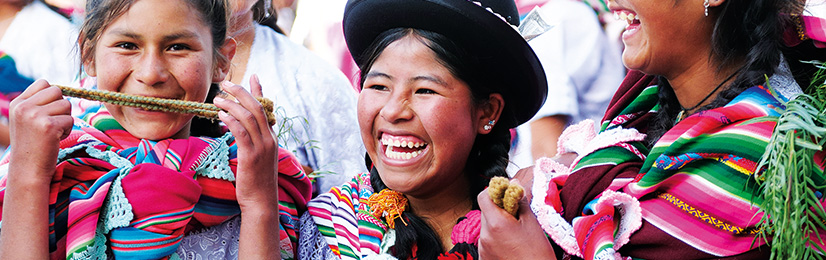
(204, 110)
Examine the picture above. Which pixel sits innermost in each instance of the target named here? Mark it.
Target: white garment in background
(583, 70)
(307, 87)
(42, 44)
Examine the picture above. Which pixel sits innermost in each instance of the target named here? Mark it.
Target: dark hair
(215, 13)
(747, 32)
(488, 156)
(264, 13)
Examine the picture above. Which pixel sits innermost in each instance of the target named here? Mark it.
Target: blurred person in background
(36, 42)
(316, 102)
(583, 70)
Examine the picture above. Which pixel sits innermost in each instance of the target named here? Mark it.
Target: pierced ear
(222, 67)
(715, 3)
(489, 113)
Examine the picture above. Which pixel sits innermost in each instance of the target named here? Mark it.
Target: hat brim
(498, 45)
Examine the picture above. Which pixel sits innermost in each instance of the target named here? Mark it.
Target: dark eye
(377, 87)
(126, 45)
(425, 91)
(178, 47)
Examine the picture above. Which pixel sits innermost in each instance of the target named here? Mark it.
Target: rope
(205, 110)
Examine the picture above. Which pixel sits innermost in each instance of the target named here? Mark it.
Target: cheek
(113, 71)
(367, 110)
(455, 127)
(195, 79)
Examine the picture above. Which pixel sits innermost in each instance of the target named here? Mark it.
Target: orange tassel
(388, 204)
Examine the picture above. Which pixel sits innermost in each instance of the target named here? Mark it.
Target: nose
(397, 108)
(151, 69)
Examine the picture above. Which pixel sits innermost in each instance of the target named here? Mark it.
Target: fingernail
(222, 114)
(226, 84)
(218, 99)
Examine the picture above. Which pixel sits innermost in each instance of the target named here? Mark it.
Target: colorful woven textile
(344, 219)
(690, 196)
(138, 198)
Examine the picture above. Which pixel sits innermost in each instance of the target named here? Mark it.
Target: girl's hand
(505, 237)
(256, 178)
(38, 119)
(257, 173)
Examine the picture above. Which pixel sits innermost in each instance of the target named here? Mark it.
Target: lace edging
(551, 221)
(214, 163)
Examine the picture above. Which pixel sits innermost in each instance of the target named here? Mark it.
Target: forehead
(160, 16)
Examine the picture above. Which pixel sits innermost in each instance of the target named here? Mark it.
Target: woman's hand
(504, 236)
(39, 118)
(256, 179)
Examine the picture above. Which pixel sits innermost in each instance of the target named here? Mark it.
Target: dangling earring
(489, 126)
(705, 5)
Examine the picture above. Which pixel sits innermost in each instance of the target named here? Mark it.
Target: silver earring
(489, 126)
(705, 5)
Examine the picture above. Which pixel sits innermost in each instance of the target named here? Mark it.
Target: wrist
(260, 210)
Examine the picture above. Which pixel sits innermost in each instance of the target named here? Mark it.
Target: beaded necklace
(684, 111)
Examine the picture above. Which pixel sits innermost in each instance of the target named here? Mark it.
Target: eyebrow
(374, 74)
(416, 78)
(171, 37)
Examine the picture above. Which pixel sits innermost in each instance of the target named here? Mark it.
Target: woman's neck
(441, 210)
(697, 86)
(243, 31)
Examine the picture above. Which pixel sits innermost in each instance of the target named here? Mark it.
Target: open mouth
(629, 17)
(402, 147)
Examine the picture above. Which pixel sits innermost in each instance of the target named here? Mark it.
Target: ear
(715, 3)
(222, 67)
(490, 112)
(89, 68)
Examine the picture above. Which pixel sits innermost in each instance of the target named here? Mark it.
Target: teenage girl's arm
(39, 119)
(257, 174)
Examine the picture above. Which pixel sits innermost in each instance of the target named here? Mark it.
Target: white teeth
(390, 153)
(401, 155)
(626, 16)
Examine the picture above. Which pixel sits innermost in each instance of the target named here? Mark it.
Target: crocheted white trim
(97, 250)
(117, 212)
(111, 157)
(388, 241)
(551, 221)
(214, 161)
(630, 214)
(575, 138)
(582, 140)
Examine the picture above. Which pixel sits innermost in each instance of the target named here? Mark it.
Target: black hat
(482, 27)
